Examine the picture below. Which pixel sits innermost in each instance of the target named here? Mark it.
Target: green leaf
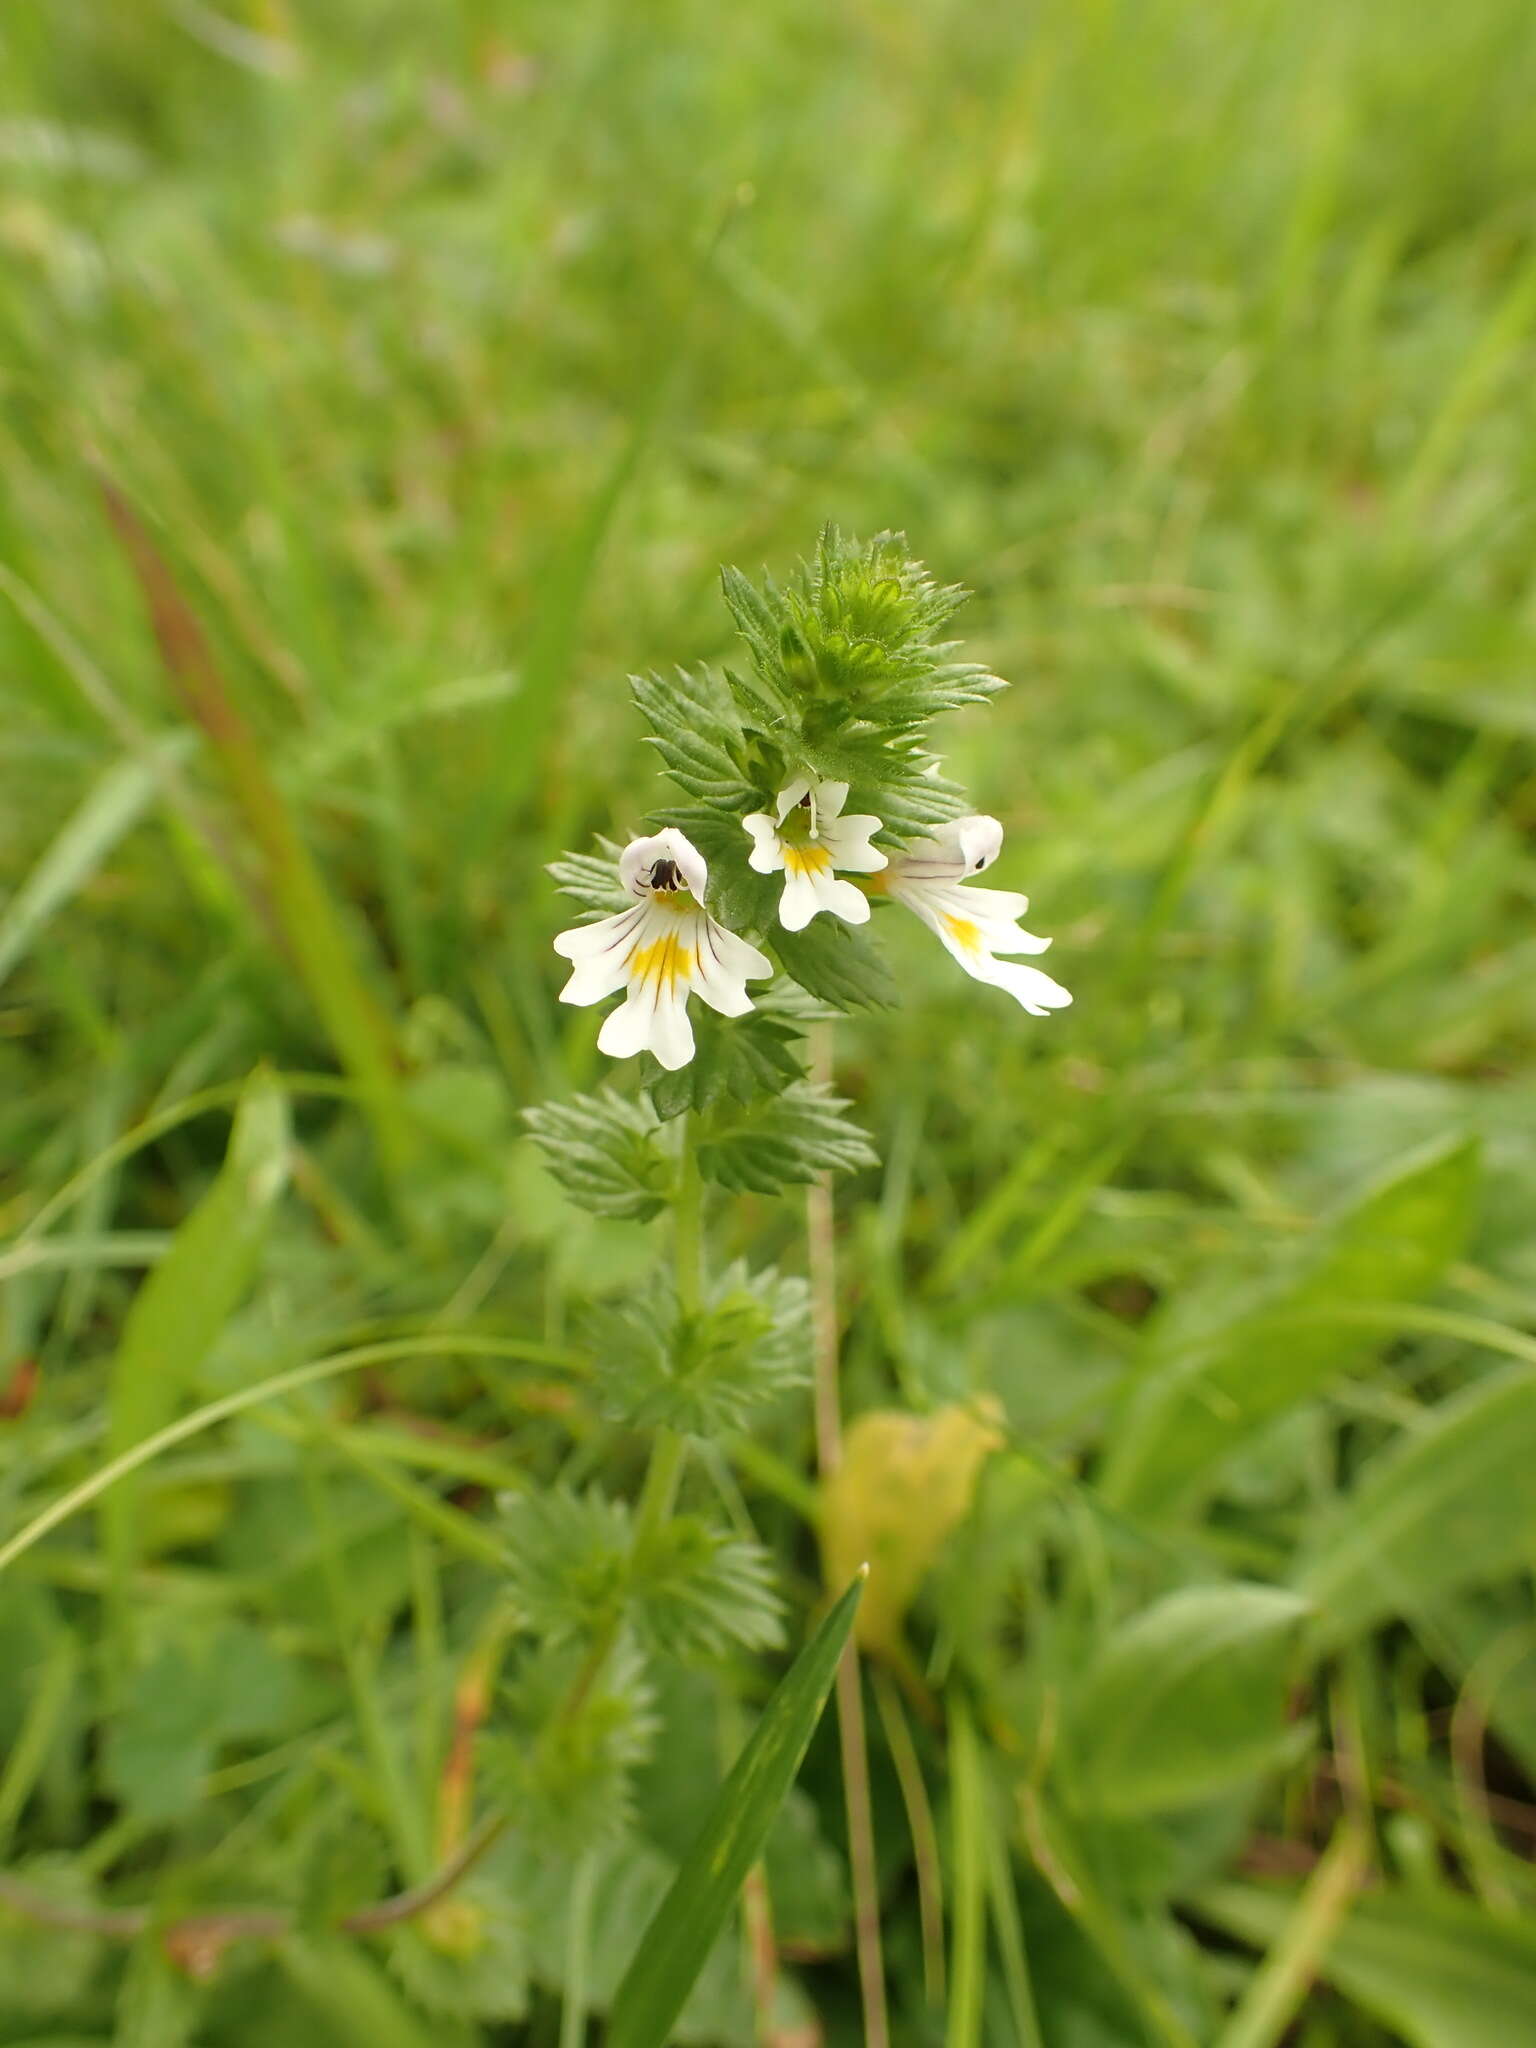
(784, 1141)
(47, 1969)
(1185, 1701)
(736, 1057)
(698, 1590)
(673, 1948)
(1435, 1968)
(158, 1745)
(592, 879)
(695, 729)
(180, 1311)
(577, 1728)
(836, 965)
(603, 1151)
(1212, 1394)
(356, 1999)
(706, 1373)
(1450, 1505)
(568, 1562)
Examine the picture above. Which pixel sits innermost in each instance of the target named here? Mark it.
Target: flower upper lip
(660, 951)
(807, 838)
(974, 925)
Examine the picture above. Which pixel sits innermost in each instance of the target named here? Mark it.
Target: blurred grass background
(446, 353)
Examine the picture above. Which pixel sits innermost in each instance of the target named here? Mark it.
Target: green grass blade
(1436, 1509)
(672, 1950)
(968, 1944)
(181, 1309)
(112, 808)
(1204, 1399)
(1437, 1969)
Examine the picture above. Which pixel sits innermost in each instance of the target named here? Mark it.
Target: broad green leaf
(1436, 1969)
(1450, 1505)
(180, 1312)
(673, 1948)
(1204, 1399)
(1184, 1701)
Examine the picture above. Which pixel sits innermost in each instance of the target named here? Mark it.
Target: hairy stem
(852, 1738)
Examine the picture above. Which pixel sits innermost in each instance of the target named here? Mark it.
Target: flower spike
(660, 951)
(807, 838)
(973, 925)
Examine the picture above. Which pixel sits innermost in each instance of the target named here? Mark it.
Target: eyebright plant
(807, 797)
(845, 672)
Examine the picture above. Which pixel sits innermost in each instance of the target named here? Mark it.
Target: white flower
(807, 837)
(659, 951)
(973, 924)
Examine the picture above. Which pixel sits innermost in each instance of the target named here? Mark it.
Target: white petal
(737, 955)
(830, 798)
(671, 1035)
(790, 795)
(994, 906)
(718, 972)
(583, 940)
(627, 1029)
(1028, 985)
(980, 841)
(767, 855)
(963, 847)
(847, 840)
(596, 976)
(798, 905)
(638, 861)
(842, 899)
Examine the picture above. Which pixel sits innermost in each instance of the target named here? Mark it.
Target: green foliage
(737, 1058)
(1186, 1700)
(699, 1591)
(672, 1948)
(577, 1572)
(568, 1563)
(604, 1151)
(782, 1142)
(592, 879)
(181, 1310)
(1215, 1386)
(694, 728)
(1204, 353)
(1436, 1969)
(578, 1726)
(1450, 1503)
(839, 967)
(704, 1373)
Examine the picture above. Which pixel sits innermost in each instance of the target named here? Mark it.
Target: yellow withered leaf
(904, 1484)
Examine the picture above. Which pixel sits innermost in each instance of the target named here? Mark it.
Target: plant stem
(853, 1742)
(1276, 1989)
(573, 2012)
(669, 1451)
(687, 1225)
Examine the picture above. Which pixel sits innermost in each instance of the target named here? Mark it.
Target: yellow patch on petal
(963, 932)
(806, 860)
(665, 962)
